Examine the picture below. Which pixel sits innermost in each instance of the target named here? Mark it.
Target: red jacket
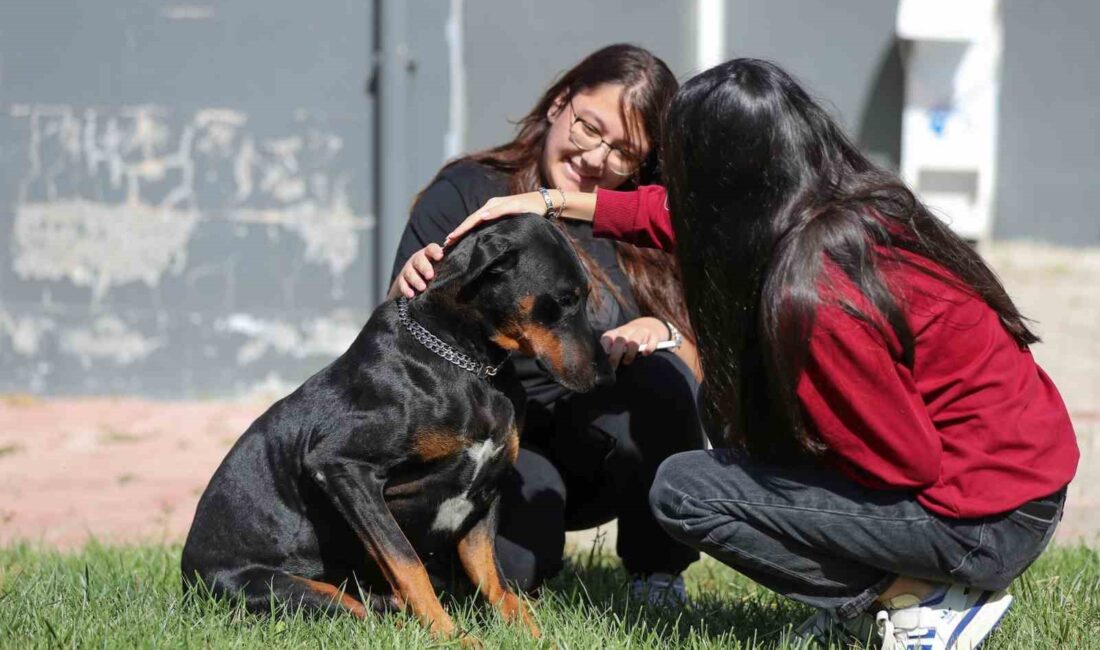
(974, 428)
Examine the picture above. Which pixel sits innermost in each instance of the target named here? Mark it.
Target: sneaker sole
(980, 621)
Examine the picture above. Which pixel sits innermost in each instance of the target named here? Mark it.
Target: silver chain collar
(435, 344)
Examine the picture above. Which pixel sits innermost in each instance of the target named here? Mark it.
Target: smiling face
(571, 168)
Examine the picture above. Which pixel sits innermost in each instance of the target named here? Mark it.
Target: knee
(669, 493)
(535, 483)
(531, 534)
(525, 568)
(663, 377)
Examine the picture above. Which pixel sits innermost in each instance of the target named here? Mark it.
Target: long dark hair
(764, 187)
(648, 88)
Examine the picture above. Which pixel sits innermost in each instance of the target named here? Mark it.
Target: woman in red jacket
(886, 442)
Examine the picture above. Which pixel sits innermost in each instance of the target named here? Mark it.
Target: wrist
(668, 329)
(674, 334)
(552, 212)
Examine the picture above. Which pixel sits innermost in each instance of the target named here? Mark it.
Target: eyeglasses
(587, 137)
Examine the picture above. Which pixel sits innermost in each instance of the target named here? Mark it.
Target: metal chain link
(435, 344)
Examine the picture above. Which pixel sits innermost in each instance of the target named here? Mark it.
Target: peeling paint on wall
(326, 337)
(331, 238)
(202, 233)
(99, 246)
(112, 197)
(25, 332)
(109, 339)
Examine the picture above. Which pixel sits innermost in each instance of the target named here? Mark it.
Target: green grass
(130, 597)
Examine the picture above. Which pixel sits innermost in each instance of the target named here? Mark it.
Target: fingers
(630, 352)
(624, 343)
(418, 271)
(495, 208)
(619, 348)
(434, 252)
(412, 277)
(422, 265)
(403, 288)
(469, 223)
(612, 345)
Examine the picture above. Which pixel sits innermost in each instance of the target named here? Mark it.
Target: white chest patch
(480, 453)
(454, 511)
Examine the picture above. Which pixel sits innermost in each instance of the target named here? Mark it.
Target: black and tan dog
(329, 500)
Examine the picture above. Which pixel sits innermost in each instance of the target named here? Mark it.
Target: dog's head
(522, 276)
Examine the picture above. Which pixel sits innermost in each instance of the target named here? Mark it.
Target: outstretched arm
(578, 206)
(639, 217)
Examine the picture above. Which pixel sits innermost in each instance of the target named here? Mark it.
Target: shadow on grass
(725, 607)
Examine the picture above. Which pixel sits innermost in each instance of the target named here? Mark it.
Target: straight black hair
(764, 187)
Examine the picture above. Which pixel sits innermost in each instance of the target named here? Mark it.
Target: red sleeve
(639, 217)
(865, 406)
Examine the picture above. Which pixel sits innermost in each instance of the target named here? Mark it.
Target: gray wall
(204, 199)
(1048, 158)
(843, 51)
(515, 49)
(184, 204)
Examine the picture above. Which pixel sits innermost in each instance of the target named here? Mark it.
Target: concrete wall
(515, 49)
(203, 199)
(1048, 158)
(184, 197)
(844, 52)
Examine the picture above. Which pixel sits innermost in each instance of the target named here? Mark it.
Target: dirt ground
(125, 469)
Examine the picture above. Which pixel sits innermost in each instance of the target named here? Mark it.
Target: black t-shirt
(464, 187)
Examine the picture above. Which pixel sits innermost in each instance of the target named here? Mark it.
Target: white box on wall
(949, 123)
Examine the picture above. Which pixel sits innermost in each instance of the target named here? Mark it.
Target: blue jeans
(811, 534)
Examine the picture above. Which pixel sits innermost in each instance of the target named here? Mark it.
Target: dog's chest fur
(478, 466)
(454, 472)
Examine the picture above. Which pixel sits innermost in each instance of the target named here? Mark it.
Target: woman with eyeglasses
(891, 454)
(586, 459)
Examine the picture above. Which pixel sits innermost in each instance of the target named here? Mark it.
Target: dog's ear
(476, 260)
(491, 256)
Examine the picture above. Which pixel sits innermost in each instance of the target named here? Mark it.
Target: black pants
(591, 458)
(813, 535)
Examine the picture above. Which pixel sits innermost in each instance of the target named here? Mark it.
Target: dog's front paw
(515, 610)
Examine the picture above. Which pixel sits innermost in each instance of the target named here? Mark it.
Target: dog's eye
(570, 300)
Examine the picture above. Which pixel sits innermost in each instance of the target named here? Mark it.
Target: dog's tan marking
(505, 341)
(510, 336)
(413, 589)
(477, 552)
(511, 445)
(433, 443)
(541, 342)
(337, 595)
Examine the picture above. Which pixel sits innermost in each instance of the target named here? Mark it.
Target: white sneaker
(824, 626)
(957, 618)
(660, 590)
